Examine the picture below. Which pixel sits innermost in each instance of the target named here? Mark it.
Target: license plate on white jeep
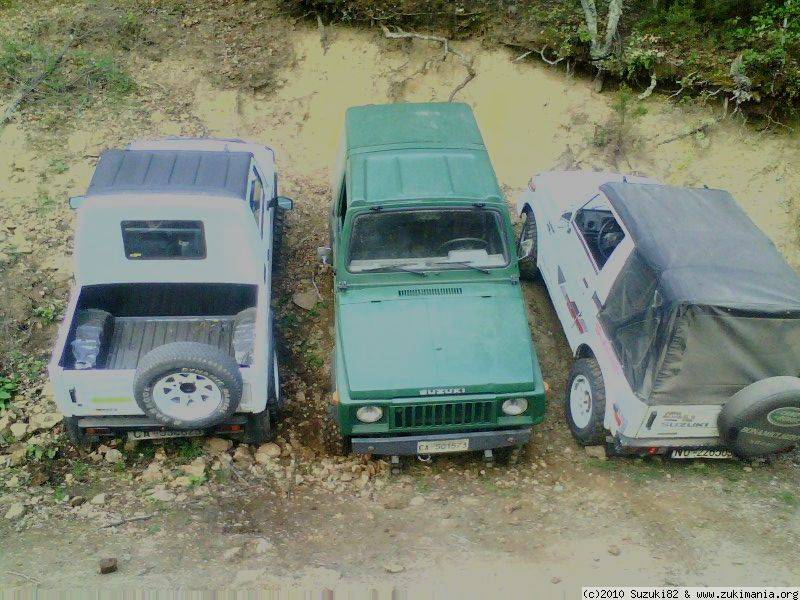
(442, 446)
(163, 434)
(702, 453)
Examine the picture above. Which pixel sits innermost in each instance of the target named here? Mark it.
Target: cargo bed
(135, 336)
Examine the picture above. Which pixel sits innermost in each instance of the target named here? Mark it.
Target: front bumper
(407, 445)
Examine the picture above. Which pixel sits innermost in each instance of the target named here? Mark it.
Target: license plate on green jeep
(156, 434)
(443, 446)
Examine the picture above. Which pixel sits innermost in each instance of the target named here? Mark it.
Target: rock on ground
(15, 511)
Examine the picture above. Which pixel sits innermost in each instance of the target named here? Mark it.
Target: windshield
(427, 240)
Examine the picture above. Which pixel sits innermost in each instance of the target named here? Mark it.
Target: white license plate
(442, 446)
(158, 435)
(701, 453)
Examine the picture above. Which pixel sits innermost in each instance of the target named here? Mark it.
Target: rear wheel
(76, 434)
(260, 427)
(527, 245)
(585, 402)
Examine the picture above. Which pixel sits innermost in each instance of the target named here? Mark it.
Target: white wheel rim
(580, 401)
(187, 396)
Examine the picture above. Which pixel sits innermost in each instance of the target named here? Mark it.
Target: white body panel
(578, 288)
(238, 250)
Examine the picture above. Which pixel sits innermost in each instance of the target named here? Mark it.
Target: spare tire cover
(762, 418)
(188, 385)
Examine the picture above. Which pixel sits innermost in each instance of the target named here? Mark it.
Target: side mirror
(566, 216)
(76, 201)
(324, 254)
(283, 202)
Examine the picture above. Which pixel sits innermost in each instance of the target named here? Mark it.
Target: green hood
(420, 342)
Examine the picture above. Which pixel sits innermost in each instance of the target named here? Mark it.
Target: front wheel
(585, 402)
(333, 440)
(526, 246)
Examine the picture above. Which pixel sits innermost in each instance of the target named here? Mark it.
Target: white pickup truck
(683, 317)
(169, 331)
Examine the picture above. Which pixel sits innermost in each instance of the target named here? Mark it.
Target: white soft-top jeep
(683, 317)
(169, 331)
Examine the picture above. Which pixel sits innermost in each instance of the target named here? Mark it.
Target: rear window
(152, 240)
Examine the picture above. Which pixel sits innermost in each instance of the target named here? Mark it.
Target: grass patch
(190, 448)
(789, 499)
(80, 76)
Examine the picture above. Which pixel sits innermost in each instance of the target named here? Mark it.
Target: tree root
(650, 88)
(446, 47)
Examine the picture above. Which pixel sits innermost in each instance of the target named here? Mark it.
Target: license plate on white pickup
(156, 434)
(702, 453)
(443, 446)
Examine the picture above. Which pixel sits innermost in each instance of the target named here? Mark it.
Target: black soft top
(170, 171)
(702, 247)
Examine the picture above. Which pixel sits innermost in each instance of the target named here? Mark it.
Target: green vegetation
(35, 452)
(749, 50)
(8, 385)
(190, 448)
(47, 313)
(80, 470)
(79, 76)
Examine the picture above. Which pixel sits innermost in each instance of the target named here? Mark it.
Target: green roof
(429, 125)
(406, 152)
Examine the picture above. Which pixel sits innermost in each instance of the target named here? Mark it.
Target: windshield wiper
(402, 268)
(463, 263)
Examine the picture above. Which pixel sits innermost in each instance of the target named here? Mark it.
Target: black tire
(508, 455)
(260, 427)
(278, 224)
(332, 439)
(76, 434)
(194, 358)
(763, 418)
(527, 266)
(593, 433)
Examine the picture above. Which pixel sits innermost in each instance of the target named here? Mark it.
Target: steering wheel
(608, 237)
(465, 240)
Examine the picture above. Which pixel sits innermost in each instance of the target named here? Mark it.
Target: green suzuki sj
(433, 351)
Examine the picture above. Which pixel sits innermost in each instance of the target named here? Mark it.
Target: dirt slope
(551, 523)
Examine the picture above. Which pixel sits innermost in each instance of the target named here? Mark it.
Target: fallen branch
(446, 47)
(119, 522)
(32, 84)
(702, 128)
(26, 577)
(650, 88)
(523, 55)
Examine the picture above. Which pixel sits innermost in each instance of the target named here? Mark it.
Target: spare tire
(188, 385)
(763, 418)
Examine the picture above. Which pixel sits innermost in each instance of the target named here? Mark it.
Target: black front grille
(418, 416)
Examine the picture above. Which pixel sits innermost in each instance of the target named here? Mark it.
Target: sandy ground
(553, 522)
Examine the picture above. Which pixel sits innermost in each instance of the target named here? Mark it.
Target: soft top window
(153, 240)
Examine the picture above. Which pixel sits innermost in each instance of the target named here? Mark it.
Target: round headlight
(369, 414)
(515, 406)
